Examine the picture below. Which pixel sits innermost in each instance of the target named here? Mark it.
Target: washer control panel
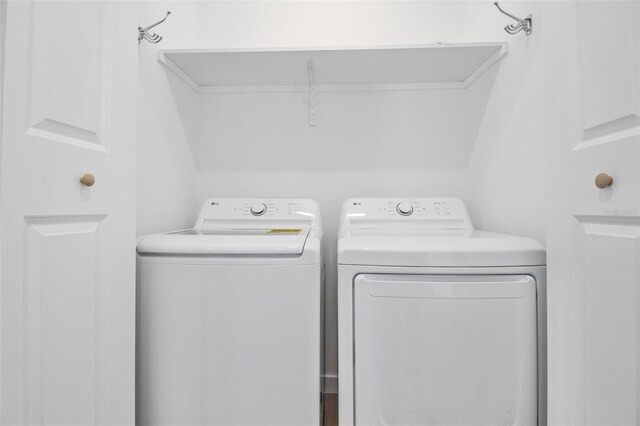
(301, 211)
(258, 209)
(404, 209)
(446, 211)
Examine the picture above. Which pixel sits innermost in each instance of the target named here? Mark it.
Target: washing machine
(438, 324)
(229, 317)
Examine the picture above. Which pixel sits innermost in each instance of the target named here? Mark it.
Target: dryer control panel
(435, 212)
(229, 211)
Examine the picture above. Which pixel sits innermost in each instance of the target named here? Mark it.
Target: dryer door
(445, 350)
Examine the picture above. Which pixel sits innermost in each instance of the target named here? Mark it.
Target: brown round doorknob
(87, 179)
(603, 180)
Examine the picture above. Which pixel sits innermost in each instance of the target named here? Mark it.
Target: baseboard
(330, 383)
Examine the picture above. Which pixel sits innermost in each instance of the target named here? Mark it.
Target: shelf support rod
(313, 95)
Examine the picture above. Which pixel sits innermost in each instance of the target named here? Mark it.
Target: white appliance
(229, 317)
(438, 324)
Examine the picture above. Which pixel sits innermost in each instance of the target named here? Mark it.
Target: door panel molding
(65, 133)
(69, 104)
(620, 128)
(610, 226)
(606, 267)
(608, 69)
(64, 312)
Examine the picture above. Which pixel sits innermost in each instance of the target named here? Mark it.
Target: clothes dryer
(438, 323)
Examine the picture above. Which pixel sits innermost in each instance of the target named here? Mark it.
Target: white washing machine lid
(220, 242)
(454, 248)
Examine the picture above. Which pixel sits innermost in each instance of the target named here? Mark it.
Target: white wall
(3, 26)
(483, 145)
(508, 160)
(326, 23)
(167, 112)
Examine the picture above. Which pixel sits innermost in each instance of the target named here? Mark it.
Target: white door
(593, 126)
(68, 261)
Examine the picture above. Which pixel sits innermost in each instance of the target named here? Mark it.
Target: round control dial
(258, 209)
(405, 209)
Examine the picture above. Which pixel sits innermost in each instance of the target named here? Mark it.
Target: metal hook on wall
(525, 24)
(144, 34)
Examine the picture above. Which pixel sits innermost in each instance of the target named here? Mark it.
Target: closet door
(68, 248)
(593, 116)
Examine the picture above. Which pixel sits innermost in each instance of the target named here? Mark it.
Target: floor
(330, 409)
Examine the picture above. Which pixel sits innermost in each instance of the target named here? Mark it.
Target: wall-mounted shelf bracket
(313, 94)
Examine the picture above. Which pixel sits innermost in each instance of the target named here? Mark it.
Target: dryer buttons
(405, 209)
(258, 209)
